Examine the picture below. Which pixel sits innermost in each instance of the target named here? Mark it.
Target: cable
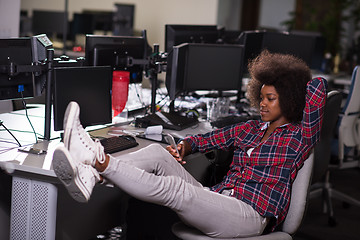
(165, 102)
(21, 131)
(138, 95)
(26, 113)
(164, 98)
(2, 124)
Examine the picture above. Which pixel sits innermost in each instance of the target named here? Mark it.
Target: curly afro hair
(288, 74)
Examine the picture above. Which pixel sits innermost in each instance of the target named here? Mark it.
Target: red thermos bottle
(120, 90)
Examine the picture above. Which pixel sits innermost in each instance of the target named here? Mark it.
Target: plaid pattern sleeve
(313, 111)
(263, 179)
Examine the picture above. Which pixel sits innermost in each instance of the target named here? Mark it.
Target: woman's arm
(314, 110)
(225, 138)
(217, 139)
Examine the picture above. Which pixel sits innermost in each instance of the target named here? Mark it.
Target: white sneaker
(78, 178)
(81, 147)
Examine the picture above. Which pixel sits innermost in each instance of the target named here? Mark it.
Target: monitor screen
(300, 45)
(252, 41)
(319, 47)
(90, 87)
(82, 23)
(101, 20)
(178, 34)
(114, 50)
(48, 22)
(22, 52)
(124, 19)
(194, 67)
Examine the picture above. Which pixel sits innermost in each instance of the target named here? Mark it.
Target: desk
(33, 198)
(37, 195)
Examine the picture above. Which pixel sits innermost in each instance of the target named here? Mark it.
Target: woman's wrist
(187, 147)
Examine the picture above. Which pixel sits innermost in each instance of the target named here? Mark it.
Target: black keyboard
(118, 143)
(173, 121)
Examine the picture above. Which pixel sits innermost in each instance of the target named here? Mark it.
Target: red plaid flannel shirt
(264, 178)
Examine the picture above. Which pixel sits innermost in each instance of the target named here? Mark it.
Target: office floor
(315, 225)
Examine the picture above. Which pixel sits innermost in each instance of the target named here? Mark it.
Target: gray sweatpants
(151, 174)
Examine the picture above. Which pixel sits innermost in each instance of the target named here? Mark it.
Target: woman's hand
(183, 148)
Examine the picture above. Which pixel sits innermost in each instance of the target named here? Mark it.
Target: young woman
(267, 155)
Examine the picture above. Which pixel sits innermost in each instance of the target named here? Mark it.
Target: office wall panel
(151, 15)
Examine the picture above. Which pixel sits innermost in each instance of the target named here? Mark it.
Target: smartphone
(170, 139)
(32, 150)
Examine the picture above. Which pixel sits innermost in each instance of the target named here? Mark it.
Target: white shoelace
(100, 155)
(95, 172)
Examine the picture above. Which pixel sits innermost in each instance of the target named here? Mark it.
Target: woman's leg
(156, 159)
(153, 175)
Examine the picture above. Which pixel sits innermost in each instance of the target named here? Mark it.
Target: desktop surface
(39, 165)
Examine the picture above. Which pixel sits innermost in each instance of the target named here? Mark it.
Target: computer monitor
(176, 34)
(48, 22)
(82, 23)
(319, 47)
(300, 45)
(102, 20)
(114, 51)
(252, 41)
(123, 19)
(23, 54)
(90, 87)
(230, 36)
(194, 67)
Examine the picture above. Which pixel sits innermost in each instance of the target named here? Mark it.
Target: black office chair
(320, 182)
(348, 138)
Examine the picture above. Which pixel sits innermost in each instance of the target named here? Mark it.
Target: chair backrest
(322, 154)
(352, 104)
(350, 113)
(299, 196)
(348, 132)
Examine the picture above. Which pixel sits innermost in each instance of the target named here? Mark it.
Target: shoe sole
(66, 171)
(72, 112)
